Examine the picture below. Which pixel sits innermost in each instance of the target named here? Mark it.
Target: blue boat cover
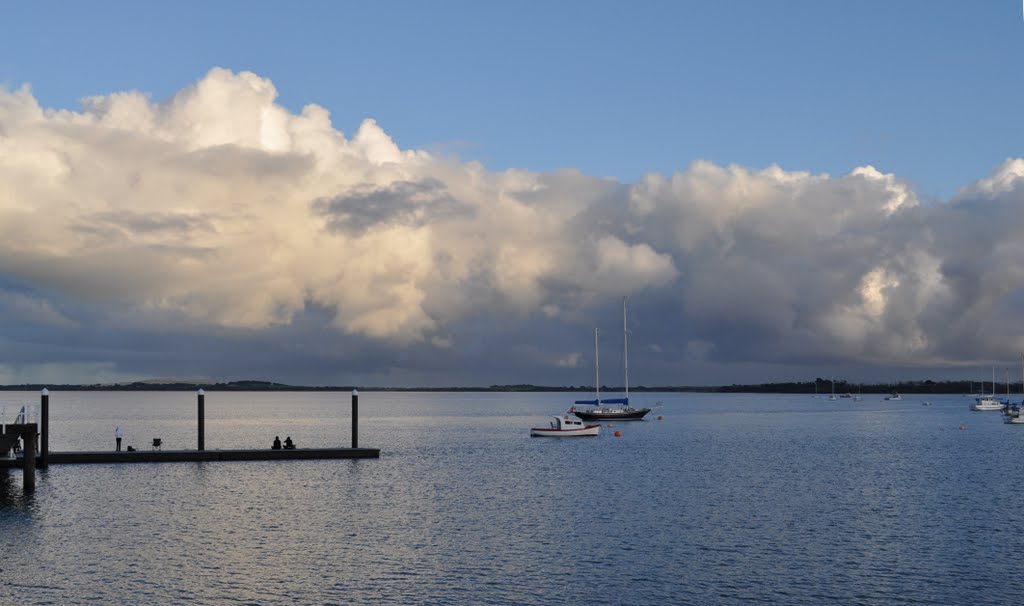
(608, 401)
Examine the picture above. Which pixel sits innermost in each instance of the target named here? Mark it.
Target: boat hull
(624, 414)
(985, 404)
(586, 432)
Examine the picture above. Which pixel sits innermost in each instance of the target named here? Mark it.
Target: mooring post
(28, 467)
(44, 420)
(202, 424)
(355, 418)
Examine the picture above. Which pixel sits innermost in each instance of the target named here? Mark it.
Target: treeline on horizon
(822, 386)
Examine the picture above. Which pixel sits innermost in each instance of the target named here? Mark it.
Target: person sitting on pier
(277, 443)
(288, 444)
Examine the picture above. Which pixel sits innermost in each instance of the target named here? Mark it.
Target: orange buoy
(618, 434)
(962, 427)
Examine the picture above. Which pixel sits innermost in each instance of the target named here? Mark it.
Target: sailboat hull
(614, 414)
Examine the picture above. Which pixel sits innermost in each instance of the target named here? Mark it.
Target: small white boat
(984, 401)
(565, 426)
(893, 397)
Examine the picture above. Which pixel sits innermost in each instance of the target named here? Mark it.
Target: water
(730, 499)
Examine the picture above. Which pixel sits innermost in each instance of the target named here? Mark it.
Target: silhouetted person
(118, 434)
(288, 444)
(277, 443)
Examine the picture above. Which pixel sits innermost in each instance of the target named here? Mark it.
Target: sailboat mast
(625, 348)
(597, 370)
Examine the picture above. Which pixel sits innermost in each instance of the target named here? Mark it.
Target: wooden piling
(28, 467)
(44, 420)
(202, 423)
(355, 418)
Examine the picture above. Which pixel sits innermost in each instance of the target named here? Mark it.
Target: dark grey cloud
(405, 203)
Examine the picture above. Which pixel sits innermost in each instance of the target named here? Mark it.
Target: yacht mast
(625, 347)
(597, 371)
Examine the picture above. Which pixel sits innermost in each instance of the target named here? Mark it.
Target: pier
(30, 436)
(180, 456)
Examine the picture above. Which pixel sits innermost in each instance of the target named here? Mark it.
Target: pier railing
(29, 413)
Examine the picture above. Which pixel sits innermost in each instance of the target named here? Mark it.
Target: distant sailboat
(987, 402)
(1012, 411)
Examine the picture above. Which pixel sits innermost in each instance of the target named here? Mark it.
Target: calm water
(729, 499)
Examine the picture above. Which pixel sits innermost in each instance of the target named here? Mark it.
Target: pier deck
(168, 456)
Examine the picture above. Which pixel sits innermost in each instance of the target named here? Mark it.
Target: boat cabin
(566, 422)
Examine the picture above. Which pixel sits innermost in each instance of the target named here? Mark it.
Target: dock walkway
(169, 456)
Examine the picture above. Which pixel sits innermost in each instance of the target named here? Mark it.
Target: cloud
(403, 203)
(218, 211)
(25, 309)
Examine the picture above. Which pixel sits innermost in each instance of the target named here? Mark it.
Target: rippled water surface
(728, 499)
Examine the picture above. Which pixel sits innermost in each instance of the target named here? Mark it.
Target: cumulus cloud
(219, 210)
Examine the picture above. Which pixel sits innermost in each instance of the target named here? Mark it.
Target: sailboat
(620, 409)
(1012, 411)
(833, 396)
(987, 402)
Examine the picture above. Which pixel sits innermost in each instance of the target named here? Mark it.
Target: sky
(459, 193)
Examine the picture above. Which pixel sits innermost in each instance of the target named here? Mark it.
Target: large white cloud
(220, 204)
(218, 207)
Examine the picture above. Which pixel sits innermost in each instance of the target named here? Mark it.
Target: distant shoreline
(823, 388)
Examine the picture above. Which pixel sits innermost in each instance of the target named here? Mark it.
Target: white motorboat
(565, 426)
(894, 397)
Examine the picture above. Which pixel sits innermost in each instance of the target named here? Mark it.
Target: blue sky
(926, 90)
(439, 193)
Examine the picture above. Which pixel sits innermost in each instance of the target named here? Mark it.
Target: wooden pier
(178, 456)
(29, 434)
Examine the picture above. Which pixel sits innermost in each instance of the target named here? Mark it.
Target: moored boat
(1011, 411)
(621, 411)
(984, 402)
(1013, 416)
(565, 426)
